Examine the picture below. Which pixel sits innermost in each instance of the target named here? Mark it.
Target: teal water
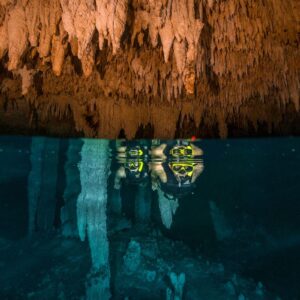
(99, 219)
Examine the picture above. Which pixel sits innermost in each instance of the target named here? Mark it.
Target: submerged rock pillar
(167, 209)
(48, 200)
(116, 201)
(42, 183)
(143, 204)
(72, 189)
(34, 180)
(91, 214)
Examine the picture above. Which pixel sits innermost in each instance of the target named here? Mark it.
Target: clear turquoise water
(76, 223)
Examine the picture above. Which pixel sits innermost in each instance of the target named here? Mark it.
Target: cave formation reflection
(170, 169)
(87, 169)
(136, 206)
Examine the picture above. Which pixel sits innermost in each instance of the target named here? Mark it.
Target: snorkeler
(133, 160)
(175, 167)
(133, 172)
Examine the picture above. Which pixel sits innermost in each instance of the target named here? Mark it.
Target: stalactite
(32, 13)
(117, 15)
(101, 20)
(3, 33)
(167, 37)
(59, 48)
(221, 53)
(27, 78)
(50, 13)
(18, 34)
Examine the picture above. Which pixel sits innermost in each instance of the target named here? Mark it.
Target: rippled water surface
(99, 219)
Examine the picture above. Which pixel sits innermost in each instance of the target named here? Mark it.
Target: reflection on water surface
(101, 219)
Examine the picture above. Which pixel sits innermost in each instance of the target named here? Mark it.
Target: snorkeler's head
(182, 151)
(135, 165)
(179, 178)
(182, 169)
(136, 170)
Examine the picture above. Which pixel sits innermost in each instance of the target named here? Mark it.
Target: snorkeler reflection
(133, 160)
(133, 170)
(175, 167)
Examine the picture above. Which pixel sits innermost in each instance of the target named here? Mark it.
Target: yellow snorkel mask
(137, 152)
(182, 151)
(182, 168)
(135, 165)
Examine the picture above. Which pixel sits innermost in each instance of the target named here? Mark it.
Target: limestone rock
(17, 37)
(211, 53)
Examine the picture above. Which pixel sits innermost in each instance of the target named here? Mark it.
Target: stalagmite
(91, 214)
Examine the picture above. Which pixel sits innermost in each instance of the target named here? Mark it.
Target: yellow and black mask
(135, 165)
(182, 151)
(182, 168)
(136, 152)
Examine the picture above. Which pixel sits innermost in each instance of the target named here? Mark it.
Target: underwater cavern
(150, 149)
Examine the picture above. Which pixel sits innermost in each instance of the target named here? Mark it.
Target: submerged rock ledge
(145, 68)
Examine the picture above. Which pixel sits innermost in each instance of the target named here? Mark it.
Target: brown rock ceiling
(149, 68)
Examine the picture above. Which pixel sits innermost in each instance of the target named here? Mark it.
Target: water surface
(99, 219)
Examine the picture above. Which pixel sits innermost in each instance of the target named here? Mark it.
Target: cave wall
(178, 67)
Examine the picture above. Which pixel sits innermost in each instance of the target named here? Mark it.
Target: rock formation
(91, 214)
(34, 181)
(167, 209)
(42, 184)
(232, 61)
(72, 188)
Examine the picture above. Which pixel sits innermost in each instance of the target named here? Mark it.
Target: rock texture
(220, 57)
